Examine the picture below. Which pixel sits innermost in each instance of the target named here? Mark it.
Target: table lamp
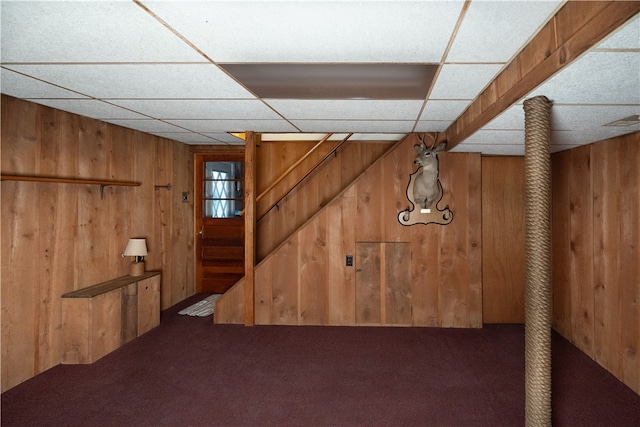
(137, 248)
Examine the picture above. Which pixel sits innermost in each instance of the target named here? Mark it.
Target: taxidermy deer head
(426, 188)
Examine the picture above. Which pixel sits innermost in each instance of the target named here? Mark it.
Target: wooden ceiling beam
(576, 27)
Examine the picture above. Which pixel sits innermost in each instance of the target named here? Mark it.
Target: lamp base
(136, 268)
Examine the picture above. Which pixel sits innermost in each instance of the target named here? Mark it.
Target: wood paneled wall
(503, 239)
(305, 280)
(596, 252)
(57, 238)
(318, 189)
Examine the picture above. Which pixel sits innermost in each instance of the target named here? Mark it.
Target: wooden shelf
(101, 182)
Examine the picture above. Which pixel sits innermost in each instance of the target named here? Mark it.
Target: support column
(251, 140)
(538, 307)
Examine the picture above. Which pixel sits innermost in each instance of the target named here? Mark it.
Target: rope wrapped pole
(538, 307)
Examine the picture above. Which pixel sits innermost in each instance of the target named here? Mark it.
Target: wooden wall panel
(596, 251)
(581, 247)
(61, 237)
(560, 243)
(445, 262)
(318, 189)
(503, 239)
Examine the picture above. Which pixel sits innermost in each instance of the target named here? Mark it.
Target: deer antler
(421, 140)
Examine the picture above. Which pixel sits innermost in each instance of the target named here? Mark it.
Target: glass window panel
(222, 189)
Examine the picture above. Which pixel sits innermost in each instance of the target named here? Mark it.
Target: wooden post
(252, 139)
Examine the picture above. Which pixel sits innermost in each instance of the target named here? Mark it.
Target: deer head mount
(424, 190)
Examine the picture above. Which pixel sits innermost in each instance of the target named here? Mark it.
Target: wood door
(383, 283)
(220, 228)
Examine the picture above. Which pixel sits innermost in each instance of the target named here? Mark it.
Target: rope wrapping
(538, 309)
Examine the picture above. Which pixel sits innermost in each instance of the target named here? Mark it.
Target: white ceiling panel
(377, 136)
(511, 118)
(568, 117)
(151, 81)
(432, 126)
(346, 109)
(90, 108)
(218, 126)
(374, 31)
(20, 86)
(364, 126)
(498, 137)
(494, 31)
(186, 137)
(490, 149)
(443, 110)
(463, 81)
(226, 138)
(200, 108)
(146, 125)
(596, 78)
(588, 136)
(627, 37)
(87, 31)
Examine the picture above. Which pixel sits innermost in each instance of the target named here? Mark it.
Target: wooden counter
(98, 319)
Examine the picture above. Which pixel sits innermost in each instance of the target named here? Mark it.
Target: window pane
(222, 189)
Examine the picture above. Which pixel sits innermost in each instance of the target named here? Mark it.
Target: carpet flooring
(190, 372)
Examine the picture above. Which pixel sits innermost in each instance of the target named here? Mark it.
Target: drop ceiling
(170, 68)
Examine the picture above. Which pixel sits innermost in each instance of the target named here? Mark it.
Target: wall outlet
(185, 197)
(349, 260)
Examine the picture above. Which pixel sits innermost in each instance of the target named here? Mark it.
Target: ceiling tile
(362, 126)
(568, 117)
(150, 81)
(596, 78)
(627, 37)
(186, 137)
(226, 138)
(71, 31)
(432, 126)
(89, 108)
(372, 31)
(20, 86)
(497, 137)
(587, 136)
(463, 81)
(377, 136)
(490, 149)
(147, 125)
(443, 110)
(346, 109)
(512, 118)
(494, 31)
(219, 126)
(200, 108)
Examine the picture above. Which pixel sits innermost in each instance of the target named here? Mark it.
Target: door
(220, 226)
(383, 283)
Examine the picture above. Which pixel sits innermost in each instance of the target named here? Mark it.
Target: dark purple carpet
(189, 372)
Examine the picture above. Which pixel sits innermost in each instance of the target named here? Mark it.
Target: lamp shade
(136, 247)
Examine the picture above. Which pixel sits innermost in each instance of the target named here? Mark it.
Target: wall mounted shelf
(101, 182)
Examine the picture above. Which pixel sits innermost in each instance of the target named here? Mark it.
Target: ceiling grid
(167, 68)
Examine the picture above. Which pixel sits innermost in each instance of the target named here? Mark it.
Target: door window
(222, 189)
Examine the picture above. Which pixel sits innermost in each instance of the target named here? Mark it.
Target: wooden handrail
(101, 182)
(292, 167)
(333, 150)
